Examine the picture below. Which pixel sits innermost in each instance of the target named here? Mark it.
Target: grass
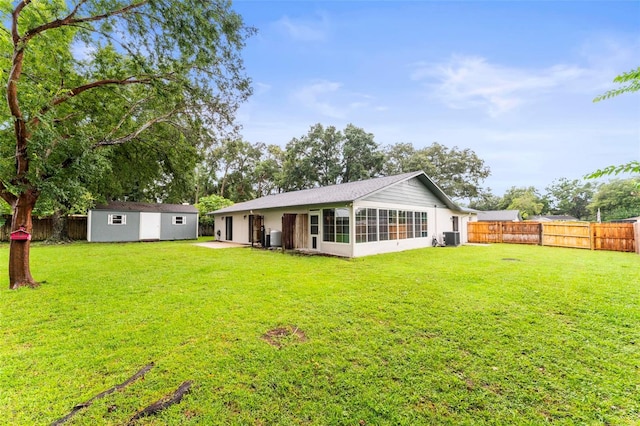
(501, 334)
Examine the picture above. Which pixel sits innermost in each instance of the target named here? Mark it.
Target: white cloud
(315, 96)
(473, 82)
(329, 98)
(305, 30)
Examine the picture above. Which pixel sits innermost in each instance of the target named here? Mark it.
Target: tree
(570, 197)
(525, 199)
(148, 64)
(617, 199)
(459, 173)
(485, 200)
(361, 155)
(314, 159)
(209, 204)
(267, 174)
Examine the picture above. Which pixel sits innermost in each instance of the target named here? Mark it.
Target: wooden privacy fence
(504, 232)
(594, 236)
(43, 228)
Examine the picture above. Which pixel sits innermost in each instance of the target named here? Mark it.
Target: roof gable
(342, 193)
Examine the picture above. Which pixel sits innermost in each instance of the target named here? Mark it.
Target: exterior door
(228, 226)
(288, 230)
(314, 229)
(150, 226)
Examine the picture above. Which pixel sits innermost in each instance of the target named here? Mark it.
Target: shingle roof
(123, 206)
(341, 193)
(499, 216)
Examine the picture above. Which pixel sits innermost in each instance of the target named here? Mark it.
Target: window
(342, 225)
(117, 219)
(366, 225)
(383, 224)
(393, 224)
(361, 225)
(424, 229)
(328, 225)
(402, 224)
(372, 225)
(315, 228)
(335, 225)
(409, 224)
(179, 220)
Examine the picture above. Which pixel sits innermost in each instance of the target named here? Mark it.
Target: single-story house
(127, 221)
(499, 216)
(380, 215)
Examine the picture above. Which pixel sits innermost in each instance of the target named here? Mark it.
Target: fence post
(636, 236)
(592, 235)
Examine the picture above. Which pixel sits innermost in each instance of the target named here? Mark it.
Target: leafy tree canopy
(617, 199)
(83, 78)
(570, 197)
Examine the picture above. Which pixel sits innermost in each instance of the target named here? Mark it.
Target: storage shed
(126, 221)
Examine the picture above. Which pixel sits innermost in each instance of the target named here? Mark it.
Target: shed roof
(126, 206)
(345, 192)
(499, 216)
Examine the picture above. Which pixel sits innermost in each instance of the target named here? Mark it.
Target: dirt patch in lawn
(283, 336)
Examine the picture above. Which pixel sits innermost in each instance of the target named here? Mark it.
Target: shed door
(150, 226)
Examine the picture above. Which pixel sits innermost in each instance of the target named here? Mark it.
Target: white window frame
(122, 219)
(183, 220)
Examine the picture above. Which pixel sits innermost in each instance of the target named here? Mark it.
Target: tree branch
(78, 90)
(69, 20)
(131, 136)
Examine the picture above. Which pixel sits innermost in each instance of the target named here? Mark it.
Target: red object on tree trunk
(20, 235)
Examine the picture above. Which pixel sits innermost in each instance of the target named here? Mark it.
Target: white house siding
(411, 190)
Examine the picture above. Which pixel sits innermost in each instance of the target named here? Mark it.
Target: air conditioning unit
(452, 239)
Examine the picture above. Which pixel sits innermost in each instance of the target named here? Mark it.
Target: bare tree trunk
(19, 271)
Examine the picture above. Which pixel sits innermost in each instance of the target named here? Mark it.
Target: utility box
(452, 239)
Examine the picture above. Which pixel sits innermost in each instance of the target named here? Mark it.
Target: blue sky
(513, 81)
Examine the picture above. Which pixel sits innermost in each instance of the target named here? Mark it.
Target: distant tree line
(240, 170)
(617, 199)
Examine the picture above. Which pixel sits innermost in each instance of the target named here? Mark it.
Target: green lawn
(500, 334)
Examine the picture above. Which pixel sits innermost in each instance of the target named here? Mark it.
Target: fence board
(521, 232)
(613, 236)
(567, 234)
(484, 232)
(504, 232)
